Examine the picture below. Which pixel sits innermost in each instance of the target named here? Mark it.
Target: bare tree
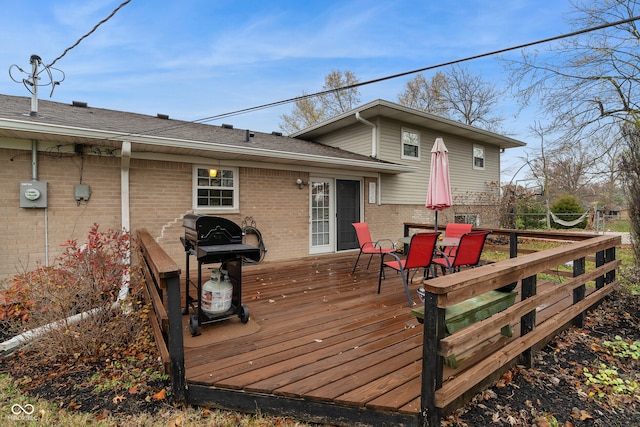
(586, 82)
(309, 110)
(424, 95)
(457, 94)
(630, 165)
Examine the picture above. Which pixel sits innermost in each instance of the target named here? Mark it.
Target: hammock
(568, 223)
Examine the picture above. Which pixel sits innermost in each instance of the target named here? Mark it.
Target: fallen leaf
(119, 398)
(102, 415)
(134, 390)
(584, 415)
(179, 421)
(161, 395)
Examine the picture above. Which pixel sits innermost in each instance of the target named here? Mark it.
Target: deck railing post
(528, 321)
(176, 342)
(579, 268)
(610, 255)
(600, 260)
(513, 244)
(432, 364)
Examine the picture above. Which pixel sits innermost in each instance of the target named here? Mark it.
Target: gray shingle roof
(174, 136)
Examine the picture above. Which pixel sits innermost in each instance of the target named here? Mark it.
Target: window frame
(467, 218)
(474, 157)
(234, 188)
(404, 156)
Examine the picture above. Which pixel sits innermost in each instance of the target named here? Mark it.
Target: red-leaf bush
(85, 278)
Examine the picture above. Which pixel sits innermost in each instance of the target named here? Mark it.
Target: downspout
(374, 135)
(374, 148)
(34, 177)
(25, 337)
(125, 161)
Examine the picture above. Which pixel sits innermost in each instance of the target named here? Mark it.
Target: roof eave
(251, 152)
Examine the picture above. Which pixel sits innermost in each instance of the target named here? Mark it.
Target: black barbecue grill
(213, 239)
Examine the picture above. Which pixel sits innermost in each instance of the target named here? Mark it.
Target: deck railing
(162, 290)
(588, 283)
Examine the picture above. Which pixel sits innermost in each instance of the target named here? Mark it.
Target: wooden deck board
(325, 336)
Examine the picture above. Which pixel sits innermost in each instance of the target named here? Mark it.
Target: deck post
(600, 260)
(513, 244)
(432, 364)
(528, 321)
(579, 268)
(609, 256)
(176, 342)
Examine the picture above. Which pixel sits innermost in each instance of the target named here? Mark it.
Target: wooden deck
(327, 348)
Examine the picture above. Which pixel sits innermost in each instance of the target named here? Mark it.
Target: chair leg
(380, 276)
(369, 263)
(355, 264)
(405, 277)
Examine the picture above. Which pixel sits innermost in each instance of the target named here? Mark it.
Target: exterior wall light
(301, 183)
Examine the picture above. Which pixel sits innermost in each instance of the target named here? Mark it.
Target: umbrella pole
(436, 221)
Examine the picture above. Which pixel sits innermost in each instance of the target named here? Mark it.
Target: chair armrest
(378, 245)
(442, 255)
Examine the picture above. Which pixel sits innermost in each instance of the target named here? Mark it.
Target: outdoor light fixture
(213, 173)
(301, 183)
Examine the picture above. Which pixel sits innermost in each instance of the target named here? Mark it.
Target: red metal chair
(419, 255)
(455, 229)
(368, 246)
(467, 254)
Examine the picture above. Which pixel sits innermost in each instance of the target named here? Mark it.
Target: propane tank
(216, 293)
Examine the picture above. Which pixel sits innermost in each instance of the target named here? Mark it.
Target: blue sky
(199, 58)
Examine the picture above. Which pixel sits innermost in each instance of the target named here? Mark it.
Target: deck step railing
(162, 290)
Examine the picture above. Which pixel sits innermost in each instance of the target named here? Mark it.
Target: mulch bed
(553, 393)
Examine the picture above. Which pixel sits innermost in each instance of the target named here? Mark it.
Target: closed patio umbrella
(439, 191)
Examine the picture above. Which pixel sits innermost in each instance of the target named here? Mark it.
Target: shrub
(568, 208)
(85, 279)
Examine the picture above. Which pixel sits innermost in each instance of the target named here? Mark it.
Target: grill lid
(211, 230)
(215, 239)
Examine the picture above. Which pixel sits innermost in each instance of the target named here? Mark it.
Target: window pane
(411, 150)
(215, 191)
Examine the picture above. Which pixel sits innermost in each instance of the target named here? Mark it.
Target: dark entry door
(347, 212)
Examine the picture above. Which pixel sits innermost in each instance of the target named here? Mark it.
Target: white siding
(355, 138)
(411, 188)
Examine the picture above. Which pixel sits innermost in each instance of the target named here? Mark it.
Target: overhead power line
(95, 27)
(406, 73)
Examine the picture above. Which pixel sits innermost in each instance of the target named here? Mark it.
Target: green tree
(568, 208)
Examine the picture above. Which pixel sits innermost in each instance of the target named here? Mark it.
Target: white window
(215, 188)
(478, 157)
(410, 144)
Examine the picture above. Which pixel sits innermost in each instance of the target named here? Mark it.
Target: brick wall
(160, 192)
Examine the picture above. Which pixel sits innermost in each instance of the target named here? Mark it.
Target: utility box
(81, 192)
(33, 194)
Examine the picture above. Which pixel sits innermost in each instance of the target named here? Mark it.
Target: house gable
(350, 133)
